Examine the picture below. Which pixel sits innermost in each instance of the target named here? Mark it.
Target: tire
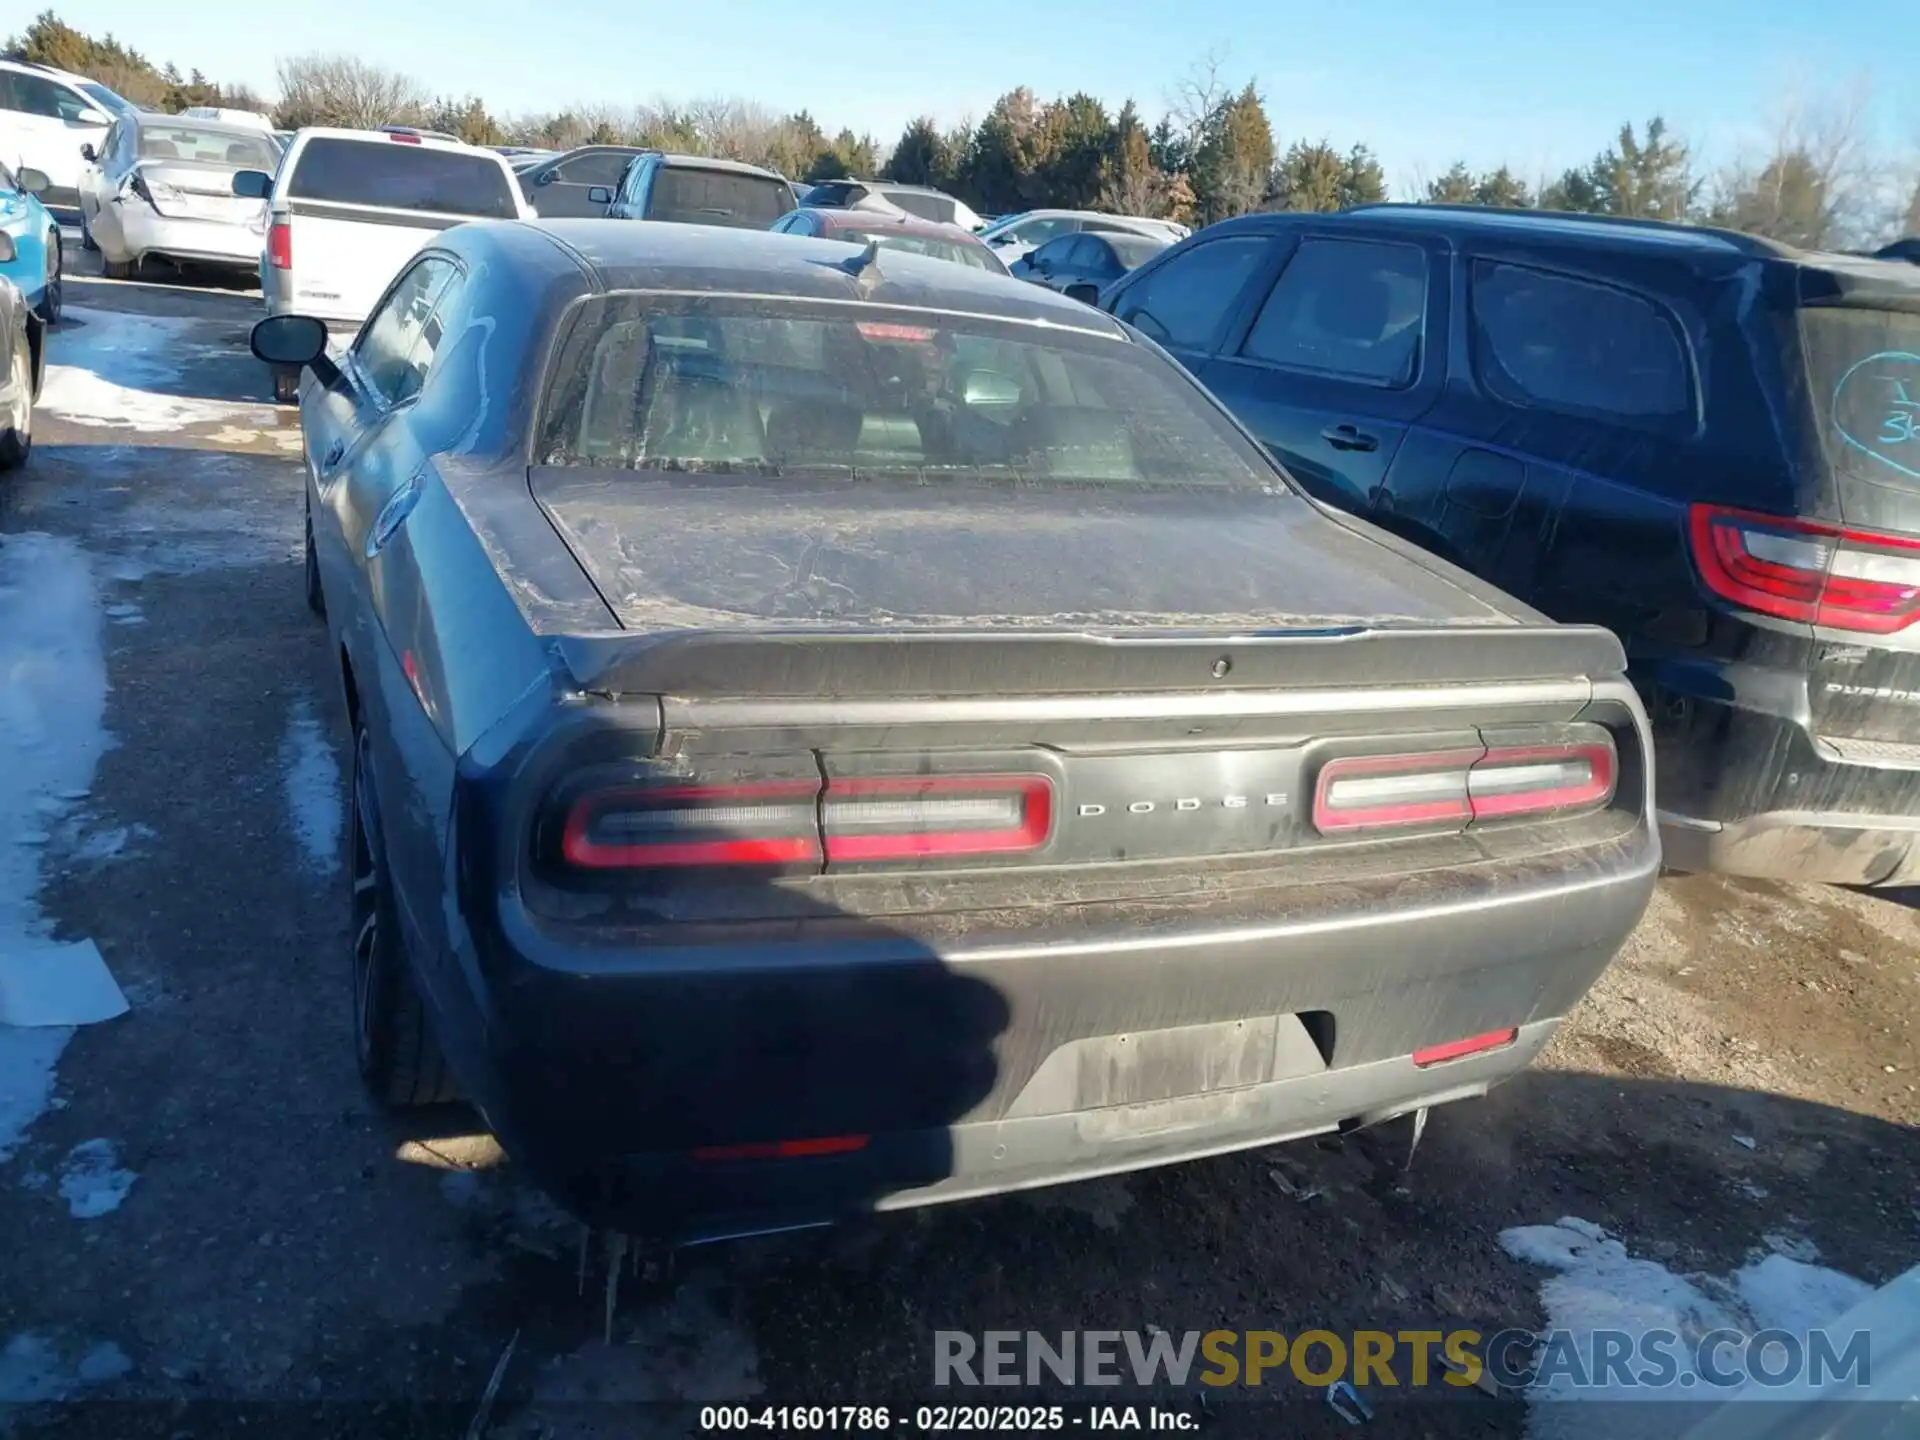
(316, 600)
(286, 385)
(16, 441)
(117, 269)
(53, 295)
(399, 1060)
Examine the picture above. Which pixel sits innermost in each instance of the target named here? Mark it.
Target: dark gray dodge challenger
(836, 730)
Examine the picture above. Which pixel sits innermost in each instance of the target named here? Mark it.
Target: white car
(162, 186)
(348, 208)
(46, 116)
(1013, 236)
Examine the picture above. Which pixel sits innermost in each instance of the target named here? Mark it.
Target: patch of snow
(312, 779)
(92, 1182)
(30, 1371)
(53, 698)
(116, 370)
(1599, 1286)
(105, 1361)
(1794, 1247)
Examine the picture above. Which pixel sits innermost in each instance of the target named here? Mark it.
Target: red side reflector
(654, 827)
(280, 245)
(784, 1149)
(910, 817)
(1803, 570)
(1459, 1049)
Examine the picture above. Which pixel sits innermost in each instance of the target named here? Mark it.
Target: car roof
(834, 217)
(710, 162)
(238, 129)
(717, 259)
(430, 142)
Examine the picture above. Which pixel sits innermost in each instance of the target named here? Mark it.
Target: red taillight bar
(772, 823)
(1460, 1049)
(783, 822)
(280, 245)
(1440, 787)
(1821, 574)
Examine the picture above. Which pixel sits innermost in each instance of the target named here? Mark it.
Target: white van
(348, 208)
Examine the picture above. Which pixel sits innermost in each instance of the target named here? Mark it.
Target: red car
(896, 231)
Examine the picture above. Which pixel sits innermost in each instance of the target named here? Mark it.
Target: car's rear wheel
(286, 384)
(316, 600)
(16, 440)
(400, 1062)
(117, 269)
(53, 291)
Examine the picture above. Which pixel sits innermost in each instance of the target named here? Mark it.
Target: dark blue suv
(1707, 442)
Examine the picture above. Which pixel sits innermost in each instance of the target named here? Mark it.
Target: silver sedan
(162, 186)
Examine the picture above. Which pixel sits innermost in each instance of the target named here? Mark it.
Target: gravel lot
(1741, 1083)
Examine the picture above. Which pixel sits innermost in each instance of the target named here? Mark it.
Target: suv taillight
(1459, 787)
(280, 245)
(1804, 570)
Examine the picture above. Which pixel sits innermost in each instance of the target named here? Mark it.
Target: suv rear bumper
(1744, 790)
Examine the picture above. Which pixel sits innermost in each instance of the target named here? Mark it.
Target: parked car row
(31, 295)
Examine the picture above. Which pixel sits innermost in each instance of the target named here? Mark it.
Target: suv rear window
(1864, 369)
(717, 197)
(1554, 342)
(927, 207)
(395, 176)
(731, 385)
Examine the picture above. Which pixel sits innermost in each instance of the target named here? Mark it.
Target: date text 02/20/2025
(941, 1419)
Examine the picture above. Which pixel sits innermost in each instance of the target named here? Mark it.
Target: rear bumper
(145, 234)
(983, 1067)
(1748, 790)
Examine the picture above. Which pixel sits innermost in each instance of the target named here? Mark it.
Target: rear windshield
(927, 207)
(1864, 367)
(396, 176)
(1134, 250)
(723, 386)
(208, 147)
(718, 197)
(955, 250)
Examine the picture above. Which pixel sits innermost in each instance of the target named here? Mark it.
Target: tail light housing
(1459, 787)
(280, 245)
(805, 823)
(1806, 570)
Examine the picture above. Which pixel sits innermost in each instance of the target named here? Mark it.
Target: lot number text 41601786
(941, 1419)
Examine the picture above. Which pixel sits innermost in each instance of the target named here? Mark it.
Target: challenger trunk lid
(714, 552)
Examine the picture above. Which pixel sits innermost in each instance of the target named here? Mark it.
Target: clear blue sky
(1535, 85)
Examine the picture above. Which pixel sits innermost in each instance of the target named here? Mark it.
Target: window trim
(1685, 421)
(1423, 350)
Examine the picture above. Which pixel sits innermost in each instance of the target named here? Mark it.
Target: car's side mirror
(90, 116)
(89, 154)
(34, 182)
(295, 340)
(9, 252)
(252, 184)
(599, 195)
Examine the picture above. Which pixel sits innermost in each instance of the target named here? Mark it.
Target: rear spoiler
(835, 665)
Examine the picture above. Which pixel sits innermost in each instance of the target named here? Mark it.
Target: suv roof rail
(1753, 244)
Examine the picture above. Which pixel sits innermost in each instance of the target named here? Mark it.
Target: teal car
(35, 265)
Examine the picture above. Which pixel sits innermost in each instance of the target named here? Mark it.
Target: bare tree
(1199, 95)
(1816, 184)
(344, 90)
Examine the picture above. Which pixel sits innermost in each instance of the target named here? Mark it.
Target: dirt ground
(289, 1261)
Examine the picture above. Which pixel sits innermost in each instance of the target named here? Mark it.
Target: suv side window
(602, 167)
(38, 95)
(1559, 343)
(389, 349)
(1183, 302)
(1353, 308)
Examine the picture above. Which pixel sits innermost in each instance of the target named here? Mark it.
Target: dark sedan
(1080, 265)
(835, 733)
(896, 232)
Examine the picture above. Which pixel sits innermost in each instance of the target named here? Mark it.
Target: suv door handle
(1346, 437)
(334, 452)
